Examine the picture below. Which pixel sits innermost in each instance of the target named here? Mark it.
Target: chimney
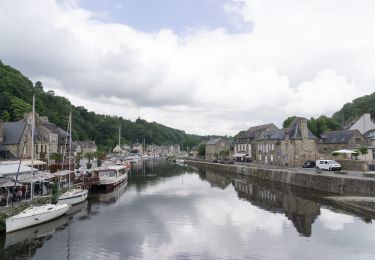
(304, 129)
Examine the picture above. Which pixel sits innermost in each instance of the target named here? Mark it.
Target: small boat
(73, 196)
(28, 234)
(35, 215)
(180, 161)
(77, 195)
(111, 176)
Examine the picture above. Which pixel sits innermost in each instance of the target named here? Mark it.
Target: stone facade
(245, 141)
(84, 147)
(342, 139)
(215, 146)
(291, 146)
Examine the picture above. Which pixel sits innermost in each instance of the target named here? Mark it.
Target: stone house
(215, 146)
(194, 152)
(84, 147)
(52, 133)
(366, 126)
(17, 137)
(290, 146)
(245, 141)
(137, 148)
(341, 139)
(63, 141)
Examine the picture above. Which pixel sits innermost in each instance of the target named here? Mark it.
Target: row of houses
(172, 149)
(15, 140)
(294, 145)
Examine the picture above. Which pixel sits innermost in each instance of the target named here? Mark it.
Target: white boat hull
(73, 197)
(35, 215)
(112, 182)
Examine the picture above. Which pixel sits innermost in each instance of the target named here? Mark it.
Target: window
(271, 158)
(358, 140)
(260, 157)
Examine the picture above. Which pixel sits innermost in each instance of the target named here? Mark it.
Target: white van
(329, 165)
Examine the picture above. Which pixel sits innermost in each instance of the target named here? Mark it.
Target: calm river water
(166, 211)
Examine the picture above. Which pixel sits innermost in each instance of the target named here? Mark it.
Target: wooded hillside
(16, 93)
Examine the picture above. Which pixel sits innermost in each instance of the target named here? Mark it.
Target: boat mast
(119, 139)
(32, 148)
(70, 144)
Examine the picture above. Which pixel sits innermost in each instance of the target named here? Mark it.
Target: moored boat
(35, 215)
(111, 176)
(73, 196)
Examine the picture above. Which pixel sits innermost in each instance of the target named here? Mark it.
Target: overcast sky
(203, 66)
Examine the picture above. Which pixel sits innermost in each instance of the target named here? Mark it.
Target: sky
(203, 66)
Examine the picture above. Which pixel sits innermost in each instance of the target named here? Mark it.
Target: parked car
(214, 160)
(329, 165)
(309, 164)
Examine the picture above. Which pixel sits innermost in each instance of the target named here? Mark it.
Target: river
(166, 211)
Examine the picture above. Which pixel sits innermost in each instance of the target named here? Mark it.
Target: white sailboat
(34, 215)
(76, 195)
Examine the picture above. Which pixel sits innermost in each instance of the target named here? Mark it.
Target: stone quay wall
(340, 184)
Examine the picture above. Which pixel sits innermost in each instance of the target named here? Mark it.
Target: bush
(88, 165)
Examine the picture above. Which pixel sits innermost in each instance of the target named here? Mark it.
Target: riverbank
(317, 180)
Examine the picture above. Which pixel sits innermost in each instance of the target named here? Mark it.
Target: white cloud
(334, 221)
(296, 54)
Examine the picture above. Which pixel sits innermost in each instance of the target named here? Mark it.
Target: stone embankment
(318, 180)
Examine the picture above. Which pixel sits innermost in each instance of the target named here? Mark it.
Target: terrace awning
(239, 155)
(345, 151)
(9, 184)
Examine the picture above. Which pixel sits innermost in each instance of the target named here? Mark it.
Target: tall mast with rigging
(32, 148)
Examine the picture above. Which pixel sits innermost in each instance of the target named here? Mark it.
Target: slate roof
(278, 134)
(294, 131)
(214, 141)
(337, 137)
(253, 133)
(51, 126)
(13, 132)
(195, 148)
(62, 135)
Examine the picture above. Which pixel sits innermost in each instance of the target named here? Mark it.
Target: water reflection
(166, 211)
(24, 243)
(300, 211)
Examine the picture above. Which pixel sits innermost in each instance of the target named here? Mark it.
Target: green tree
(77, 159)
(38, 86)
(363, 150)
(202, 150)
(288, 121)
(223, 154)
(54, 193)
(5, 116)
(57, 157)
(19, 108)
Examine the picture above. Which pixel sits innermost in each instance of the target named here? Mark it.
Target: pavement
(300, 169)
